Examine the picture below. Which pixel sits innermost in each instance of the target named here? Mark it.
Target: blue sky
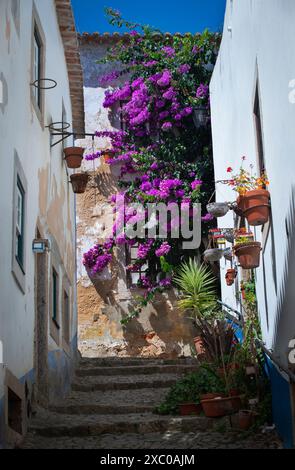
(167, 15)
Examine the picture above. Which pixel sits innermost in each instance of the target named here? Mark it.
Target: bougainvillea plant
(164, 78)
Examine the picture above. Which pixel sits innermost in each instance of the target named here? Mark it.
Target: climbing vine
(165, 78)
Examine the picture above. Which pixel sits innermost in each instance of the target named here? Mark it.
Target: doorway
(41, 327)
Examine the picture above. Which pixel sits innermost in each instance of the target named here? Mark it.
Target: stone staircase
(111, 407)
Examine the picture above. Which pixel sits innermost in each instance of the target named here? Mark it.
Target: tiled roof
(72, 55)
(114, 37)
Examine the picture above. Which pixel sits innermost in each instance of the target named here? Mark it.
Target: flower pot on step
(248, 254)
(218, 209)
(246, 419)
(74, 156)
(218, 407)
(79, 182)
(255, 206)
(211, 396)
(190, 409)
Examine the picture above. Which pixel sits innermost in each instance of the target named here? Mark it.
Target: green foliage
(197, 285)
(189, 389)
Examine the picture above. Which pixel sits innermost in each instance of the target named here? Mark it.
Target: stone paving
(115, 411)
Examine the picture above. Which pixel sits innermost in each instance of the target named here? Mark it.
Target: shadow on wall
(284, 332)
(285, 318)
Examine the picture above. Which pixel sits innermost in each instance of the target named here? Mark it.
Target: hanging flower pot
(228, 235)
(79, 182)
(255, 206)
(248, 254)
(74, 156)
(213, 254)
(218, 209)
(230, 276)
(228, 254)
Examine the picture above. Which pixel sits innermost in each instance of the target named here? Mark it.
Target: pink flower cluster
(98, 257)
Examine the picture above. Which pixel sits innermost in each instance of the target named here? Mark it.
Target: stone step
(167, 440)
(136, 370)
(102, 409)
(109, 383)
(146, 396)
(133, 361)
(56, 425)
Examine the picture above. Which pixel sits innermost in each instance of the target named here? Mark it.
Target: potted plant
(246, 419)
(254, 199)
(230, 276)
(74, 156)
(79, 182)
(218, 407)
(248, 252)
(189, 409)
(218, 209)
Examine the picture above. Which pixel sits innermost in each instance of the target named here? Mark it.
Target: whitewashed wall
(49, 196)
(258, 40)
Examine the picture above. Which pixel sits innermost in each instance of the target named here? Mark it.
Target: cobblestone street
(111, 407)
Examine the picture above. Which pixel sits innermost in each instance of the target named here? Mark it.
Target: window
(66, 317)
(20, 223)
(18, 258)
(258, 129)
(135, 276)
(54, 297)
(37, 66)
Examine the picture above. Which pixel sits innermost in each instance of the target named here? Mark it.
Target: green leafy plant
(189, 389)
(198, 289)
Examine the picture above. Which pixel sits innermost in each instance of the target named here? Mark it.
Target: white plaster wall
(258, 37)
(20, 130)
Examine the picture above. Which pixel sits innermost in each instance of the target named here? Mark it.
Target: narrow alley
(112, 404)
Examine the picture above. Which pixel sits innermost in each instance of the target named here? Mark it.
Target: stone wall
(160, 330)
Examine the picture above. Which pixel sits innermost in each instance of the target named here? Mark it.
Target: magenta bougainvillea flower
(163, 250)
(196, 184)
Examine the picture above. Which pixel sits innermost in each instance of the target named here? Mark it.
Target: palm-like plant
(197, 285)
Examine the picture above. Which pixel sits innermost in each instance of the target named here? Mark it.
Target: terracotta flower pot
(187, 409)
(246, 419)
(255, 206)
(79, 182)
(248, 254)
(218, 407)
(211, 396)
(234, 392)
(218, 209)
(230, 276)
(74, 156)
(199, 345)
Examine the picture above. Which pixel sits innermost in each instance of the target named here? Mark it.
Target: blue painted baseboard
(281, 405)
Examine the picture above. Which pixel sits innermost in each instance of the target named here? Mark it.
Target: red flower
(229, 170)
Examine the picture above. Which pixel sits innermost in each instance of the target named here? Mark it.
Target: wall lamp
(40, 245)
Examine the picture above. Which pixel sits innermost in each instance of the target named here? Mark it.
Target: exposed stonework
(161, 330)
